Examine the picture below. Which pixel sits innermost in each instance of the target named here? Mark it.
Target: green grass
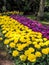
(31, 17)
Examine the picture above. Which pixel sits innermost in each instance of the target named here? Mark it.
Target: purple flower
(32, 24)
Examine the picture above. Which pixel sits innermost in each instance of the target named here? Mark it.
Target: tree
(41, 9)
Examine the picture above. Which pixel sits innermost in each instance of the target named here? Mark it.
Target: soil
(4, 60)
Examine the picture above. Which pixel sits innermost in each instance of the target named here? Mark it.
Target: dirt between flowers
(4, 60)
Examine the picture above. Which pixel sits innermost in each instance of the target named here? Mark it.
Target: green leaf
(33, 63)
(48, 59)
(47, 56)
(28, 63)
(17, 62)
(24, 63)
(43, 63)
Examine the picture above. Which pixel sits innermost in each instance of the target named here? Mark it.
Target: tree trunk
(41, 10)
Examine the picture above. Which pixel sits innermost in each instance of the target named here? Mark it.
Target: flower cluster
(22, 42)
(34, 25)
(11, 12)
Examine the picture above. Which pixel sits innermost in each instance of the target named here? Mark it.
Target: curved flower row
(22, 42)
(34, 25)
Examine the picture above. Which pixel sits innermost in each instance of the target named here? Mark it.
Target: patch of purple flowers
(32, 24)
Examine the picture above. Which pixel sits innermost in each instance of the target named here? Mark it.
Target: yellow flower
(15, 40)
(20, 48)
(39, 36)
(45, 39)
(11, 39)
(23, 57)
(6, 41)
(24, 45)
(34, 43)
(47, 43)
(18, 44)
(4, 31)
(22, 39)
(32, 58)
(37, 46)
(45, 51)
(27, 52)
(12, 45)
(8, 34)
(42, 44)
(29, 42)
(37, 40)
(31, 49)
(41, 40)
(38, 54)
(33, 38)
(15, 53)
(1, 38)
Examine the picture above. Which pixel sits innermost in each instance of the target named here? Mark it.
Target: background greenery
(22, 5)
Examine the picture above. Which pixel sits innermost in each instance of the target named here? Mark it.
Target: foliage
(47, 2)
(23, 5)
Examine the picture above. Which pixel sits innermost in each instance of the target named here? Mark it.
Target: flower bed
(26, 46)
(32, 24)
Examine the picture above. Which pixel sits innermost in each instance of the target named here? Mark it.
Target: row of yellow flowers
(12, 12)
(24, 43)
